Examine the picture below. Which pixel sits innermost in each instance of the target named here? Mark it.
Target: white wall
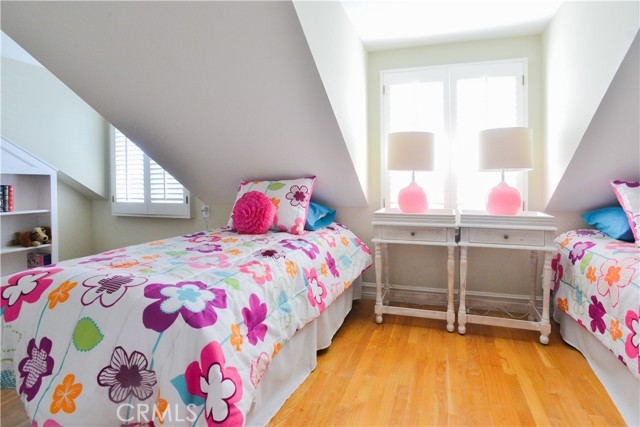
(583, 47)
(47, 119)
(342, 62)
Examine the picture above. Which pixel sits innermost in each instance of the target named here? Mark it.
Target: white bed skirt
(297, 358)
(622, 386)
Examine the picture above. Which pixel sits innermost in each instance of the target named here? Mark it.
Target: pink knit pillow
(253, 213)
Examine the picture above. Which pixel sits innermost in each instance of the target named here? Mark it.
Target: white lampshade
(410, 151)
(506, 149)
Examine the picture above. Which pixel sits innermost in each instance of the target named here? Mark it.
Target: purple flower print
(331, 264)
(270, 253)
(24, 287)
(298, 195)
(127, 375)
(220, 386)
(191, 236)
(192, 300)
(305, 246)
(588, 233)
(632, 343)
(578, 251)
(206, 248)
(36, 365)
(109, 288)
(597, 312)
(253, 318)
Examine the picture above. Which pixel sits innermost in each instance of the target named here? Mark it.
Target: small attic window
(141, 187)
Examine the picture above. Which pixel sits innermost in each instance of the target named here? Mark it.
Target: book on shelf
(6, 198)
(37, 259)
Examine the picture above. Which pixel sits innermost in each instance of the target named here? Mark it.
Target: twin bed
(597, 303)
(213, 328)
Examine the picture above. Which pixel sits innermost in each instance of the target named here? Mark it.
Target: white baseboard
(438, 297)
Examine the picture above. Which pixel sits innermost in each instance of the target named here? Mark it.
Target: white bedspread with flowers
(175, 332)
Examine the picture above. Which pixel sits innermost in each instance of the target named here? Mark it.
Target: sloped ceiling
(214, 91)
(610, 148)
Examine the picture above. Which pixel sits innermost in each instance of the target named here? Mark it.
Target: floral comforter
(597, 282)
(178, 331)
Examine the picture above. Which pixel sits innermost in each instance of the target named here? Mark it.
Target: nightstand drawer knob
(413, 233)
(506, 236)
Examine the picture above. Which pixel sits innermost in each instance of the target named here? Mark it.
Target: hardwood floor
(411, 372)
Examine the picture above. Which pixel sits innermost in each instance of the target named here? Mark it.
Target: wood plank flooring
(411, 372)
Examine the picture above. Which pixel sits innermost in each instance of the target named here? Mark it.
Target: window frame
(145, 208)
(450, 70)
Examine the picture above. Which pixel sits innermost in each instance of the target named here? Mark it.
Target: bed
(212, 328)
(597, 303)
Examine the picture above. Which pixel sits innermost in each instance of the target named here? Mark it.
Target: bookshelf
(35, 204)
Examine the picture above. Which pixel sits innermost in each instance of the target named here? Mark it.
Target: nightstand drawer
(415, 233)
(499, 236)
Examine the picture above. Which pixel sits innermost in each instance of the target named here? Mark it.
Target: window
(454, 102)
(140, 187)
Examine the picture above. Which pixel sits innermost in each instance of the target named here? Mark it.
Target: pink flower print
(298, 195)
(579, 250)
(127, 375)
(109, 288)
(220, 386)
(316, 291)
(36, 365)
(615, 275)
(206, 248)
(331, 241)
(597, 312)
(260, 272)
(203, 238)
(193, 300)
(258, 368)
(253, 318)
(27, 287)
(632, 342)
(298, 226)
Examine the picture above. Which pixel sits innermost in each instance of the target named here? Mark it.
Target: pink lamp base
(504, 200)
(412, 199)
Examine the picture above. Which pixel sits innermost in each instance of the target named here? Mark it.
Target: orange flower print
(124, 263)
(160, 409)
(565, 242)
(60, 294)
(276, 349)
(234, 252)
(64, 395)
(229, 240)
(275, 201)
(347, 284)
(324, 270)
(150, 257)
(158, 243)
(291, 269)
(614, 329)
(344, 241)
(591, 274)
(562, 304)
(236, 337)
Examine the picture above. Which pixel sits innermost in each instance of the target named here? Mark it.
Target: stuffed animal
(35, 237)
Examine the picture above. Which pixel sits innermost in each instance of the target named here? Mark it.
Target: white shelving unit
(35, 189)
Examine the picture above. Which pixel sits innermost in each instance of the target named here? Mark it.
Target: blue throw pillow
(318, 216)
(611, 221)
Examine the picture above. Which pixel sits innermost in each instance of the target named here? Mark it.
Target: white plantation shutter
(141, 186)
(455, 102)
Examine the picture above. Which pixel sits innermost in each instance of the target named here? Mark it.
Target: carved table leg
(462, 310)
(378, 262)
(385, 280)
(451, 314)
(545, 325)
(534, 281)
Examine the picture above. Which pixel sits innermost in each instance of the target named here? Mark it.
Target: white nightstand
(532, 231)
(437, 227)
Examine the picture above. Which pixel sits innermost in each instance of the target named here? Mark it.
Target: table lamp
(505, 149)
(411, 151)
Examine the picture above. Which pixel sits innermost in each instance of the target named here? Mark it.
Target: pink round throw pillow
(253, 213)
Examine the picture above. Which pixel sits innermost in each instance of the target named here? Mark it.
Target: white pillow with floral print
(628, 194)
(291, 198)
